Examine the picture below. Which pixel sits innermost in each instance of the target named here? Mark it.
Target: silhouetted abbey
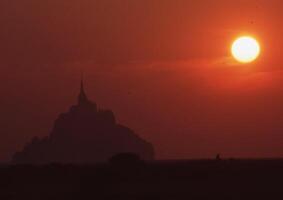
(84, 134)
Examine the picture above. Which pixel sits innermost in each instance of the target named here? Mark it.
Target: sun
(245, 49)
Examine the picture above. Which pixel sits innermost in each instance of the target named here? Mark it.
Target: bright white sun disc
(245, 49)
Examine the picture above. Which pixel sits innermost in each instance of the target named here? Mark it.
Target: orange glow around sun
(245, 49)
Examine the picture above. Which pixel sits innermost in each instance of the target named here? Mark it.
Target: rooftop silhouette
(84, 134)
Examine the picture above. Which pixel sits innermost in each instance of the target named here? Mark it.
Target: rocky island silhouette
(84, 134)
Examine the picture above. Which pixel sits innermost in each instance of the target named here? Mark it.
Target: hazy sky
(163, 67)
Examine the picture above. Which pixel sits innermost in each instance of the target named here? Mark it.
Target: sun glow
(245, 49)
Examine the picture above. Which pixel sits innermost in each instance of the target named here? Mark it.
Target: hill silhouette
(85, 134)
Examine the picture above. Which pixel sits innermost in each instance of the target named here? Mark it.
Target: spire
(82, 96)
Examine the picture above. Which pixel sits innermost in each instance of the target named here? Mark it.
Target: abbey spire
(82, 98)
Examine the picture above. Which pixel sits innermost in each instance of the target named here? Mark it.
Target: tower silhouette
(82, 98)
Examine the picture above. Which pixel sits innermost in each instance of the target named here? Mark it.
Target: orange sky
(166, 63)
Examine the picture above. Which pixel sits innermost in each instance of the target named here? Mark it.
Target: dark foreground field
(206, 179)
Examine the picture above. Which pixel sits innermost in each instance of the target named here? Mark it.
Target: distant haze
(163, 66)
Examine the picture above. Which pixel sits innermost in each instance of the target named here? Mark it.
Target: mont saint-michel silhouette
(85, 134)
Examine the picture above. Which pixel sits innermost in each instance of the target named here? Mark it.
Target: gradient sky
(163, 66)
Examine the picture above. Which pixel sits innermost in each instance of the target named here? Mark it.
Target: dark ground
(202, 179)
